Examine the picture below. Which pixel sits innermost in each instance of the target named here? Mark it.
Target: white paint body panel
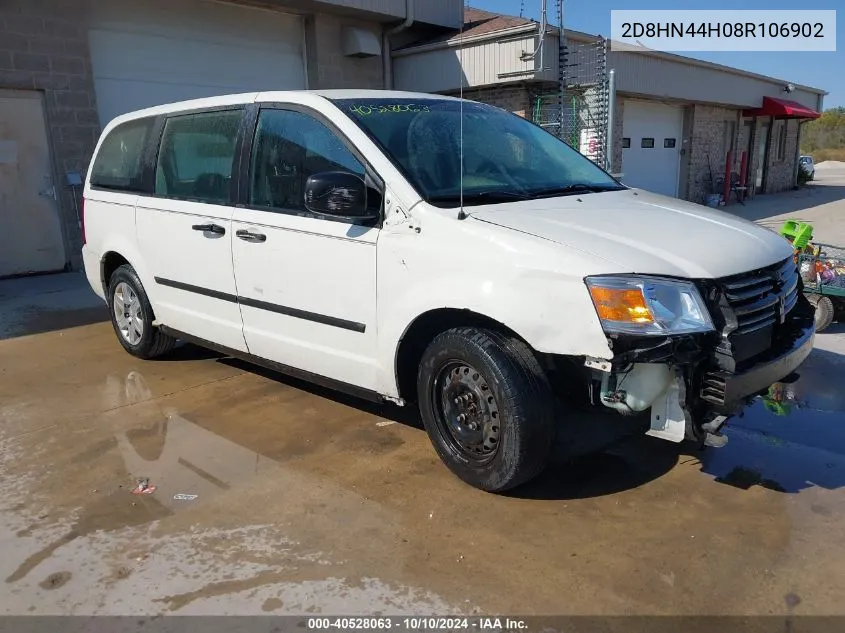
(634, 231)
(522, 264)
(326, 268)
(174, 251)
(654, 169)
(668, 420)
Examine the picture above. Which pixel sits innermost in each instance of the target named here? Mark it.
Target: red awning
(782, 108)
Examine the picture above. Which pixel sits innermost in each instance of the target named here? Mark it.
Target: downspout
(609, 139)
(386, 54)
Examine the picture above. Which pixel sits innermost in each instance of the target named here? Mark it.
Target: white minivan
(415, 248)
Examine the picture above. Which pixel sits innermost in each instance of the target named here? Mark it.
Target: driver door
(306, 284)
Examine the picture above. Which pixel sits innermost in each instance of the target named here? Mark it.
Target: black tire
(824, 311)
(152, 341)
(523, 405)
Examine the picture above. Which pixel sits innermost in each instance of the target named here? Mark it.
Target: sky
(825, 71)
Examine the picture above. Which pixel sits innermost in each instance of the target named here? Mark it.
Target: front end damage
(690, 385)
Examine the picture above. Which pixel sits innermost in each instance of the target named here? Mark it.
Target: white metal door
(158, 51)
(31, 235)
(651, 146)
(306, 285)
(185, 230)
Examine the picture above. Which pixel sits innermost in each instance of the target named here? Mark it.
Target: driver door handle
(247, 236)
(209, 228)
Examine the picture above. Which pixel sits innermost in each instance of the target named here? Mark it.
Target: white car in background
(807, 163)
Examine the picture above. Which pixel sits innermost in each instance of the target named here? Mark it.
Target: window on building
(780, 148)
(119, 162)
(626, 143)
(647, 143)
(669, 143)
(196, 156)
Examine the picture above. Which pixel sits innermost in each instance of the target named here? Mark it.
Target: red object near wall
(743, 174)
(728, 165)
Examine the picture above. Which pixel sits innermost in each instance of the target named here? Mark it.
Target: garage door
(154, 52)
(651, 146)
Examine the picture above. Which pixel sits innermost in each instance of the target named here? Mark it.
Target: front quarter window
(504, 156)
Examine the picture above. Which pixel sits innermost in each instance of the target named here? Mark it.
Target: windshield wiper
(568, 190)
(481, 197)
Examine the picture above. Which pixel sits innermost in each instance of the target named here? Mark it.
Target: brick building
(67, 67)
(675, 118)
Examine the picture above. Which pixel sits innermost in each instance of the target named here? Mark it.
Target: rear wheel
(132, 316)
(487, 407)
(824, 311)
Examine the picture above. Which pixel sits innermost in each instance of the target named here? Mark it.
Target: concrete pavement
(309, 502)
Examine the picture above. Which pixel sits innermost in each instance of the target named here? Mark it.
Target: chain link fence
(579, 111)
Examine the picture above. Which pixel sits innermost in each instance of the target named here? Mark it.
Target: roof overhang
(783, 109)
(458, 41)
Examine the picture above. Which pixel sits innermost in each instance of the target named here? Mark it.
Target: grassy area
(821, 155)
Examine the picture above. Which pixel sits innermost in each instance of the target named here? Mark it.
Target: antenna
(461, 214)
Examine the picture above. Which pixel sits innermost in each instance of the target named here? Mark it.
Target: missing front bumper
(723, 390)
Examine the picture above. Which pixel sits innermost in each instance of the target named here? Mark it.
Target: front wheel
(487, 407)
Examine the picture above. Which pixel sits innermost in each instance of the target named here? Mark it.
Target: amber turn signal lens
(625, 305)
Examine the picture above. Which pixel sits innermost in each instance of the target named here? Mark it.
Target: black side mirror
(338, 194)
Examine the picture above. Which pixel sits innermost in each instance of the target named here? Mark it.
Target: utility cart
(822, 269)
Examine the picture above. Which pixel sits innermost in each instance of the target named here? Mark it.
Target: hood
(641, 232)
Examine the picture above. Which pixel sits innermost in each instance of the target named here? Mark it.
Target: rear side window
(196, 156)
(119, 163)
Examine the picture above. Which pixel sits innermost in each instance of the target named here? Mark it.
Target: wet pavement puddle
(794, 437)
(272, 496)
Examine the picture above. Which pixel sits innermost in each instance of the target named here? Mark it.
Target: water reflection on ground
(794, 437)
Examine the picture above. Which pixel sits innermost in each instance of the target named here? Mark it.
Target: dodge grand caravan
(414, 248)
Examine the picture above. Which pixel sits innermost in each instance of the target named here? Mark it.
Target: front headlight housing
(648, 306)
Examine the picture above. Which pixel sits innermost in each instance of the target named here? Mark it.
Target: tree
(824, 136)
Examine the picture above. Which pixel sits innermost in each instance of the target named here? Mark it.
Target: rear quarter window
(119, 163)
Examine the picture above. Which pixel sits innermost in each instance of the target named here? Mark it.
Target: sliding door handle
(209, 228)
(247, 236)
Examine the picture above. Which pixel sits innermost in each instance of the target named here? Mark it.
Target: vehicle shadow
(408, 415)
(783, 452)
(188, 352)
(629, 463)
(838, 327)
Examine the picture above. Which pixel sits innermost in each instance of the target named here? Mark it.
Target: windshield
(505, 156)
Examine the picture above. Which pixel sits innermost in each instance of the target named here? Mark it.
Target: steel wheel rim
(466, 411)
(126, 305)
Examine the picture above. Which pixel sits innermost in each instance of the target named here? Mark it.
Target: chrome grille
(763, 297)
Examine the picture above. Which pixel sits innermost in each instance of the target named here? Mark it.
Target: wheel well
(110, 263)
(423, 330)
